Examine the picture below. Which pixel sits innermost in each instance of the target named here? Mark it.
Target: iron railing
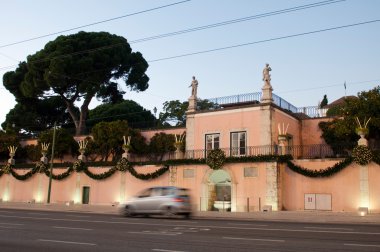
(283, 103)
(298, 152)
(314, 151)
(311, 111)
(241, 98)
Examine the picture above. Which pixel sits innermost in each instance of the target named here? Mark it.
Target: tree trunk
(81, 127)
(70, 108)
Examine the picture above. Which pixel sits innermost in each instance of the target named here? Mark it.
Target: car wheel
(169, 212)
(187, 216)
(128, 211)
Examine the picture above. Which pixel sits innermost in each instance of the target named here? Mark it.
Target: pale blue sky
(303, 68)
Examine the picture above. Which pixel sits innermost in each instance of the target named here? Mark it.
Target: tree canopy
(36, 115)
(78, 68)
(128, 110)
(174, 112)
(108, 140)
(160, 144)
(341, 130)
(6, 140)
(324, 102)
(65, 144)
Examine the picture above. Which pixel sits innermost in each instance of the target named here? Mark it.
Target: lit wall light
(6, 196)
(363, 211)
(39, 196)
(77, 196)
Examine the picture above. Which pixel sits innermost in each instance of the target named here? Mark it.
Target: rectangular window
(238, 143)
(211, 142)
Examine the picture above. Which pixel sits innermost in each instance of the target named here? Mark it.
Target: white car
(164, 200)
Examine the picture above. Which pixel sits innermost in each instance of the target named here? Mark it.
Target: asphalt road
(22, 230)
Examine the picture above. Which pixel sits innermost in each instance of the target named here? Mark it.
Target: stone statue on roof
(266, 75)
(194, 87)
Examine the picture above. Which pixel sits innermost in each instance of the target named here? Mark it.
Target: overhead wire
(247, 44)
(228, 22)
(256, 42)
(134, 123)
(238, 20)
(265, 40)
(95, 23)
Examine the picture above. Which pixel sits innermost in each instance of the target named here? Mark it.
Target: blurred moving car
(163, 200)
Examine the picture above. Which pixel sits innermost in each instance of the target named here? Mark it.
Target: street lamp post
(51, 163)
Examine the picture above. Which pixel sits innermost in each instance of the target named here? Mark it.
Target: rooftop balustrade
(226, 101)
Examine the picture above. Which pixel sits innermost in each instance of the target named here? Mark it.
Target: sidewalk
(291, 216)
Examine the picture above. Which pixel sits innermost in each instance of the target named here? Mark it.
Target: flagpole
(345, 90)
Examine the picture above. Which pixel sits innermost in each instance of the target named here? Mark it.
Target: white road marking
(155, 233)
(77, 216)
(183, 221)
(251, 239)
(12, 224)
(246, 224)
(68, 242)
(193, 230)
(361, 245)
(165, 250)
(7, 227)
(200, 226)
(38, 214)
(87, 229)
(326, 228)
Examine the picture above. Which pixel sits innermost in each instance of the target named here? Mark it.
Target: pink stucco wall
(148, 134)
(344, 186)
(282, 119)
(226, 121)
(374, 186)
(311, 133)
(248, 193)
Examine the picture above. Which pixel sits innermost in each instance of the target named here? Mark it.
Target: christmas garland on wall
(327, 172)
(61, 176)
(215, 159)
(79, 166)
(362, 157)
(26, 175)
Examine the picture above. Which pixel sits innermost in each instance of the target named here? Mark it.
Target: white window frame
(213, 142)
(236, 147)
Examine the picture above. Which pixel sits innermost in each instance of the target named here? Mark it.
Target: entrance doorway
(219, 191)
(86, 195)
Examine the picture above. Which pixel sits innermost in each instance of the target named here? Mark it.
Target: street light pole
(51, 163)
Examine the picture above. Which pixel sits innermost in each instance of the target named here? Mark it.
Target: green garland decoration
(100, 176)
(60, 176)
(148, 176)
(6, 169)
(123, 165)
(41, 167)
(79, 166)
(362, 155)
(328, 172)
(215, 159)
(25, 176)
(259, 158)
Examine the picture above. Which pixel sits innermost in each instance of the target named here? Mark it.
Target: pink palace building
(241, 126)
